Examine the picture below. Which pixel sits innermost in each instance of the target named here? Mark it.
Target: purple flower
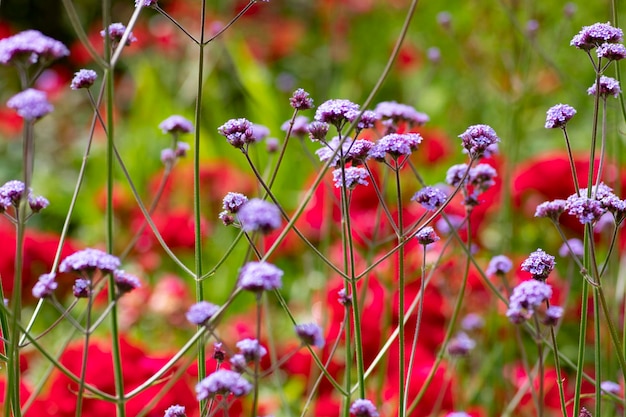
(477, 139)
(610, 387)
(259, 215)
(608, 87)
(499, 265)
(558, 116)
(37, 203)
(81, 288)
(11, 193)
(45, 286)
(218, 352)
(310, 334)
(426, 236)
(272, 145)
(363, 408)
(351, 150)
(434, 54)
(222, 382)
(174, 410)
(251, 349)
(201, 312)
(395, 145)
(300, 126)
(553, 315)
(176, 124)
(233, 201)
(226, 217)
(353, 176)
(584, 412)
(238, 363)
(587, 210)
(300, 100)
(532, 26)
(238, 132)
(259, 132)
(573, 247)
(337, 112)
(30, 104)
(148, 3)
(83, 79)
(551, 209)
(30, 47)
(181, 149)
(125, 282)
(88, 260)
(458, 414)
(431, 198)
(318, 130)
(461, 345)
(453, 222)
(394, 112)
(539, 264)
(367, 120)
(611, 51)
(595, 35)
(455, 174)
(527, 296)
(168, 156)
(116, 32)
(481, 177)
(444, 19)
(260, 276)
(472, 321)
(344, 298)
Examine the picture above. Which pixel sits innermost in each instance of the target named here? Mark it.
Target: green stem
(401, 356)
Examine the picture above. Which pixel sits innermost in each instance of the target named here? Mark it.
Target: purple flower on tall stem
(367, 120)
(526, 297)
(37, 203)
(81, 288)
(608, 87)
(551, 209)
(350, 178)
(481, 177)
(201, 312)
(259, 215)
(337, 112)
(539, 264)
(499, 265)
(251, 349)
(573, 247)
(260, 276)
(300, 126)
(174, 410)
(431, 198)
(176, 124)
(149, 3)
(301, 100)
(30, 104)
(595, 35)
(395, 145)
(461, 345)
(238, 132)
(88, 260)
(395, 112)
(115, 31)
(223, 382)
(11, 193)
(125, 282)
(363, 408)
(310, 334)
(84, 78)
(478, 139)
(558, 115)
(611, 51)
(587, 210)
(232, 202)
(30, 47)
(318, 130)
(455, 174)
(553, 315)
(426, 236)
(45, 286)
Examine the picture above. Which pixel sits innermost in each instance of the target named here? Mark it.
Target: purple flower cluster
(223, 382)
(300, 126)
(481, 177)
(363, 408)
(551, 209)
(499, 265)
(461, 345)
(31, 47)
(395, 145)
(558, 115)
(587, 210)
(353, 176)
(526, 297)
(539, 264)
(431, 198)
(337, 112)
(149, 3)
(552, 316)
(318, 130)
(355, 151)
(232, 202)
(81, 288)
(30, 104)
(608, 87)
(36, 203)
(426, 236)
(310, 334)
(201, 312)
(10, 194)
(84, 78)
(595, 35)
(367, 120)
(611, 51)
(115, 31)
(251, 350)
(259, 215)
(301, 100)
(174, 410)
(393, 113)
(260, 276)
(479, 140)
(455, 174)
(573, 247)
(238, 132)
(125, 282)
(45, 286)
(176, 124)
(472, 322)
(88, 260)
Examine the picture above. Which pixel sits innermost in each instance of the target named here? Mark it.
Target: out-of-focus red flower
(10, 123)
(409, 58)
(177, 228)
(170, 298)
(436, 146)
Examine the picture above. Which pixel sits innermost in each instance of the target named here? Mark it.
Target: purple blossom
(461, 345)
(37, 203)
(218, 352)
(238, 132)
(573, 247)
(587, 210)
(222, 382)
(318, 130)
(337, 112)
(367, 120)
(481, 177)
(539, 264)
(176, 124)
(611, 51)
(455, 174)
(363, 408)
(226, 217)
(526, 297)
(301, 100)
(552, 316)
(259, 215)
(599, 192)
(558, 116)
(238, 363)
(608, 87)
(499, 265)
(444, 19)
(30, 47)
(595, 35)
(310, 334)
(30, 104)
(434, 54)
(88, 260)
(395, 145)
(181, 149)
(584, 412)
(300, 126)
(201, 312)
(84, 78)
(232, 202)
(551, 209)
(149, 3)
(431, 198)
(472, 322)
(251, 349)
(351, 177)
(453, 222)
(11, 193)
(45, 286)
(610, 387)
(174, 410)
(395, 112)
(259, 132)
(81, 288)
(356, 151)
(115, 32)
(168, 156)
(260, 276)
(477, 139)
(426, 236)
(125, 282)
(344, 298)
(272, 145)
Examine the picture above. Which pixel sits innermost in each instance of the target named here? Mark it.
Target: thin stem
(178, 25)
(401, 313)
(572, 165)
(602, 146)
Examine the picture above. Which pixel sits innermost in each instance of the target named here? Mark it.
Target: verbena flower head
(176, 124)
(84, 78)
(472, 322)
(259, 132)
(551, 209)
(363, 408)
(301, 100)
(232, 202)
(11, 193)
(259, 215)
(88, 260)
(238, 132)
(431, 198)
(608, 87)
(149, 3)
(218, 352)
(223, 382)
(426, 236)
(300, 126)
(337, 112)
(558, 115)
(395, 145)
(174, 410)
(367, 120)
(350, 178)
(30, 104)
(318, 130)
(310, 334)
(573, 247)
(181, 149)
(81, 288)
(201, 312)
(168, 156)
(552, 316)
(392, 113)
(539, 264)
(587, 210)
(31, 47)
(344, 298)
(355, 151)
(455, 174)
(610, 387)
(584, 412)
(595, 35)
(260, 276)
(611, 51)
(238, 363)
(125, 282)
(251, 349)
(45, 286)
(499, 265)
(115, 31)
(481, 177)
(477, 139)
(37, 203)
(461, 345)
(526, 297)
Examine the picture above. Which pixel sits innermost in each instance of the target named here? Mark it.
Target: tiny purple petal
(201, 312)
(45, 286)
(260, 276)
(176, 124)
